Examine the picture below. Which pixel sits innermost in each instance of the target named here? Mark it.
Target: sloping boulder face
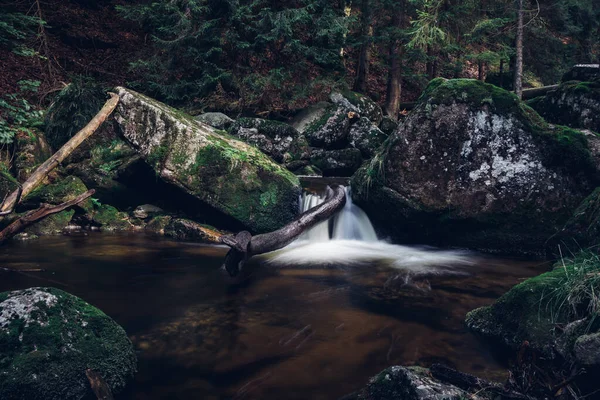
(215, 119)
(330, 130)
(575, 104)
(49, 338)
(337, 162)
(280, 141)
(228, 175)
(366, 137)
(472, 166)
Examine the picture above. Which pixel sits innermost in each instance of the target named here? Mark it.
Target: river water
(285, 333)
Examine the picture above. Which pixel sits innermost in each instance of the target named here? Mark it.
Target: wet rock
(582, 72)
(366, 137)
(216, 120)
(342, 162)
(575, 104)
(31, 149)
(388, 125)
(309, 115)
(359, 103)
(226, 176)
(409, 383)
(158, 224)
(48, 338)
(184, 229)
(587, 350)
(280, 141)
(308, 170)
(473, 166)
(330, 131)
(110, 219)
(146, 210)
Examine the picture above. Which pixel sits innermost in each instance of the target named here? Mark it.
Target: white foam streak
(354, 253)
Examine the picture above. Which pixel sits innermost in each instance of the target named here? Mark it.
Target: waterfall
(351, 223)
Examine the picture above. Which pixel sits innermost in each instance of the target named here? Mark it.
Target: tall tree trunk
(362, 69)
(429, 64)
(501, 83)
(519, 51)
(480, 69)
(394, 83)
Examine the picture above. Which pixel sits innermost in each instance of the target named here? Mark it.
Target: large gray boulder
(575, 104)
(473, 166)
(280, 141)
(49, 338)
(366, 137)
(215, 119)
(359, 103)
(226, 175)
(342, 162)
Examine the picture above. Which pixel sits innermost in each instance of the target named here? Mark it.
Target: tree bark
(39, 214)
(244, 245)
(43, 170)
(394, 84)
(519, 51)
(364, 58)
(501, 83)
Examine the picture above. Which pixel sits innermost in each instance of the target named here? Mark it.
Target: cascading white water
(354, 242)
(351, 223)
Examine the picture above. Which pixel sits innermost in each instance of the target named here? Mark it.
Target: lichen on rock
(473, 166)
(226, 174)
(48, 338)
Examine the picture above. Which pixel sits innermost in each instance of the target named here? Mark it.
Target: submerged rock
(49, 338)
(410, 383)
(473, 166)
(280, 141)
(226, 175)
(184, 229)
(216, 120)
(575, 104)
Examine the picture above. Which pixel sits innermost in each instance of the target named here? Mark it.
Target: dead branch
(39, 214)
(98, 384)
(244, 245)
(43, 170)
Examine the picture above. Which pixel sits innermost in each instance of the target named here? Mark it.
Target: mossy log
(244, 245)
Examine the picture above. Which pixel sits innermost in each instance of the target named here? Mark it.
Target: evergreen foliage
(72, 109)
(17, 114)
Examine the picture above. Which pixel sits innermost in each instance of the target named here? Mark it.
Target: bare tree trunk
(501, 83)
(364, 58)
(519, 52)
(39, 214)
(43, 170)
(394, 84)
(244, 245)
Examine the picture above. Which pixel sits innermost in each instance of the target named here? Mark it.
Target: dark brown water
(283, 334)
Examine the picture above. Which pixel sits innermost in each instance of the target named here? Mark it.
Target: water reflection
(286, 333)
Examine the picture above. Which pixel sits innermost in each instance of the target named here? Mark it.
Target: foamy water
(361, 253)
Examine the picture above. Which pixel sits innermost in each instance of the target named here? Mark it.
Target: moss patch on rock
(48, 338)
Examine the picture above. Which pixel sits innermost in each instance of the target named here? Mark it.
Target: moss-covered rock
(330, 130)
(388, 125)
(49, 338)
(57, 192)
(473, 166)
(112, 220)
(215, 119)
(158, 224)
(184, 229)
(31, 150)
(280, 141)
(582, 72)
(574, 103)
(366, 137)
(55, 224)
(229, 176)
(410, 383)
(310, 114)
(359, 103)
(337, 162)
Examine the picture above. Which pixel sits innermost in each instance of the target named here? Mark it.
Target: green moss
(321, 121)
(158, 155)
(47, 357)
(60, 191)
(52, 225)
(111, 219)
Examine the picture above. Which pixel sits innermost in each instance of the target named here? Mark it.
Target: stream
(288, 332)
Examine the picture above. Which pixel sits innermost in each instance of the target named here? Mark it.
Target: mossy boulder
(280, 141)
(330, 130)
(388, 125)
(49, 338)
(224, 174)
(342, 162)
(31, 149)
(582, 72)
(215, 119)
(575, 104)
(55, 224)
(366, 137)
(185, 229)
(410, 383)
(110, 219)
(473, 166)
(359, 103)
(310, 114)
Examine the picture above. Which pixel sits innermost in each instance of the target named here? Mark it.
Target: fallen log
(39, 214)
(244, 245)
(43, 170)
